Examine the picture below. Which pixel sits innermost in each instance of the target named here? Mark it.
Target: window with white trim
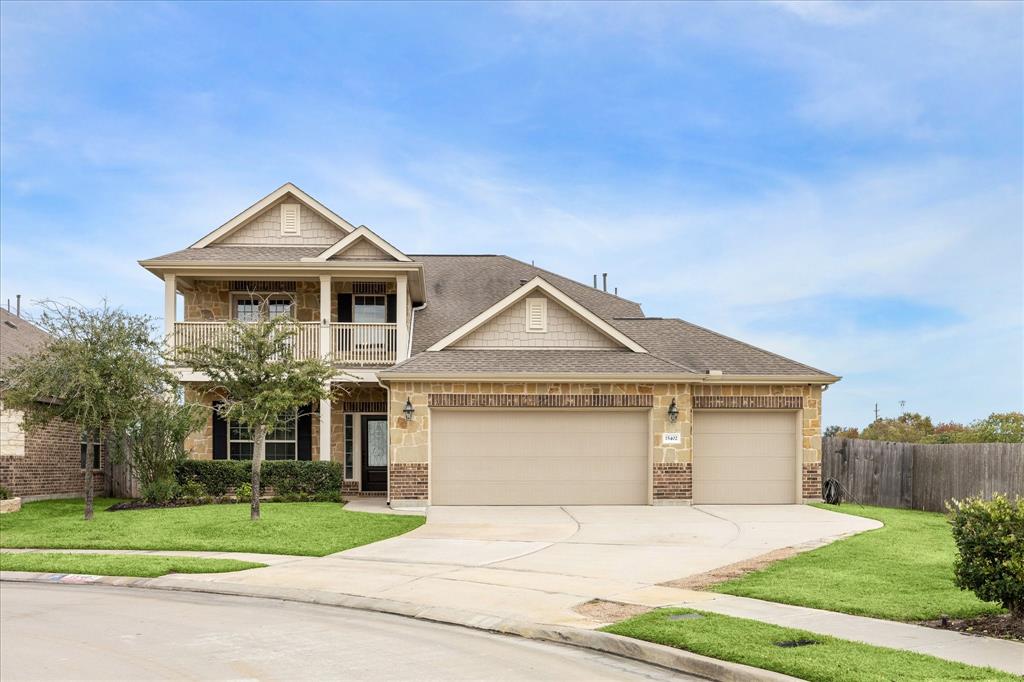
(252, 309)
(349, 442)
(370, 308)
(85, 444)
(282, 442)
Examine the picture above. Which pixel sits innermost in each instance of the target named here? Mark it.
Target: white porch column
(325, 317)
(325, 430)
(401, 316)
(170, 308)
(325, 353)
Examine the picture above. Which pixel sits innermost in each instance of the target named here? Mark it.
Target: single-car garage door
(744, 457)
(538, 457)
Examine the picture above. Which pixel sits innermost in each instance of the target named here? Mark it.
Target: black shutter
(344, 307)
(304, 433)
(391, 311)
(220, 433)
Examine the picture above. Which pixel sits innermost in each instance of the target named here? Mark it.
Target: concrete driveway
(541, 563)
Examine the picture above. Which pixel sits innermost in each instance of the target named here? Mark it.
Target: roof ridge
(748, 345)
(551, 272)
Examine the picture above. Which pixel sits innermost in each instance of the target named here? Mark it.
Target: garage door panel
(538, 457)
(535, 493)
(757, 468)
(744, 457)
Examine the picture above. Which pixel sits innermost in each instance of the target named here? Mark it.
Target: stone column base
(672, 481)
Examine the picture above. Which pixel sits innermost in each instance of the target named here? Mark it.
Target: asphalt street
(69, 632)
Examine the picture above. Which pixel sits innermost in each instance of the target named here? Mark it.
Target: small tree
(990, 539)
(98, 366)
(154, 444)
(261, 381)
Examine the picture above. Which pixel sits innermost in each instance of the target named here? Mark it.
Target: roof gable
(551, 293)
(562, 329)
(361, 244)
(258, 224)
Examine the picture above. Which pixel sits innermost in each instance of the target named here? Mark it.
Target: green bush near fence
(989, 536)
(291, 480)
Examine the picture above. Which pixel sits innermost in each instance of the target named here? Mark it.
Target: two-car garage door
(538, 457)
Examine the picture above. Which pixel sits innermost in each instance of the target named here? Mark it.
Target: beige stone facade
(671, 463)
(212, 300)
(12, 437)
(509, 330)
(265, 229)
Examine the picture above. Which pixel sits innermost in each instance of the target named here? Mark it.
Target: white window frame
(264, 300)
(292, 421)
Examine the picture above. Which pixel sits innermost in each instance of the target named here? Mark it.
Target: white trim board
(360, 233)
(539, 283)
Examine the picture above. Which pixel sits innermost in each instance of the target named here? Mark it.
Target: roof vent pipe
(595, 280)
(17, 299)
(715, 372)
(604, 278)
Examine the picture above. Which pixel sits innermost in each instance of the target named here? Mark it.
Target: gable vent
(289, 219)
(537, 314)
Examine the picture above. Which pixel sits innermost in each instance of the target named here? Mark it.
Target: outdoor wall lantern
(408, 410)
(673, 411)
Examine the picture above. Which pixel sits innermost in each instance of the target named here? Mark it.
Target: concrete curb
(645, 652)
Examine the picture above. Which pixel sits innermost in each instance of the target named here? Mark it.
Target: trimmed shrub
(194, 492)
(160, 491)
(990, 538)
(243, 493)
(290, 480)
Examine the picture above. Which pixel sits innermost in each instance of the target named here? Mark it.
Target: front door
(375, 452)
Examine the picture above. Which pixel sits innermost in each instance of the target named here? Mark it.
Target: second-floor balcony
(350, 344)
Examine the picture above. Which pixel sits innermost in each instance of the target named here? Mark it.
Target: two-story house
(482, 380)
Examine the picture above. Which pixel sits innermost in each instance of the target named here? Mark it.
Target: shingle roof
(703, 350)
(242, 254)
(18, 337)
(493, 361)
(458, 288)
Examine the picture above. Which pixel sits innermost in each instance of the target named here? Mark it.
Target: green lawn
(306, 528)
(829, 660)
(117, 564)
(903, 571)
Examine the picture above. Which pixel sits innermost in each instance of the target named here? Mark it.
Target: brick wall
(672, 481)
(51, 464)
(408, 481)
(812, 480)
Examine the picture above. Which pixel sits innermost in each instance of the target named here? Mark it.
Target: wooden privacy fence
(914, 476)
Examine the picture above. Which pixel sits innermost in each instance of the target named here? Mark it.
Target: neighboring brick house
(47, 462)
(485, 380)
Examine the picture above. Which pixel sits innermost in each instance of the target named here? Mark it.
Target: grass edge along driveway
(135, 566)
(299, 528)
(829, 659)
(902, 571)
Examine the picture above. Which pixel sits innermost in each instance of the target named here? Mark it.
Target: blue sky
(840, 183)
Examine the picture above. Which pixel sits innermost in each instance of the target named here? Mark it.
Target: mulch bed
(604, 611)
(1002, 626)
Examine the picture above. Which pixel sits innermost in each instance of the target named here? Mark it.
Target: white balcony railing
(352, 344)
(356, 343)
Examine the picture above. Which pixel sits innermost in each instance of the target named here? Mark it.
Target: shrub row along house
(47, 462)
(480, 379)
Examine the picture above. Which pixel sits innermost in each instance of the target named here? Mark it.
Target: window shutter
(289, 219)
(220, 433)
(304, 433)
(536, 314)
(390, 311)
(344, 307)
